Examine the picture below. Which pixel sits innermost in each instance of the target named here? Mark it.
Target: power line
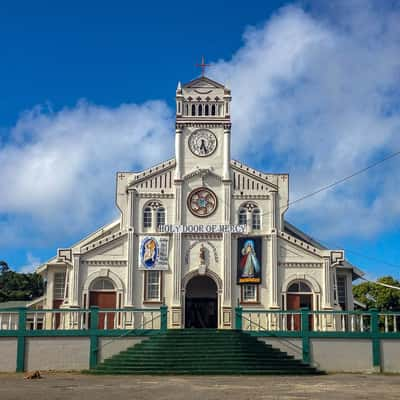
(338, 182)
(347, 250)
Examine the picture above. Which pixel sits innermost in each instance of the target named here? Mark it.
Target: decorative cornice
(204, 124)
(255, 174)
(306, 246)
(251, 196)
(101, 242)
(299, 265)
(202, 172)
(203, 236)
(112, 263)
(150, 172)
(153, 195)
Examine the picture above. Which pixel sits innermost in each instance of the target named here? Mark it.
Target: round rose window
(202, 202)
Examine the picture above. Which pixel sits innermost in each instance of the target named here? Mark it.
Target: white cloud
(320, 93)
(59, 167)
(32, 263)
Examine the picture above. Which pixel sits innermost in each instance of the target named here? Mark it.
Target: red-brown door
(104, 300)
(57, 305)
(293, 303)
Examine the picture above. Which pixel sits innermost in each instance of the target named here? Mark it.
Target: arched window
(299, 287)
(242, 216)
(256, 219)
(213, 109)
(160, 216)
(147, 217)
(102, 284)
(206, 109)
(200, 109)
(193, 109)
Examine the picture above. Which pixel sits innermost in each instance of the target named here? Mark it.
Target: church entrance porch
(299, 296)
(103, 295)
(201, 303)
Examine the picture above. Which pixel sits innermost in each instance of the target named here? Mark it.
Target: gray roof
(14, 304)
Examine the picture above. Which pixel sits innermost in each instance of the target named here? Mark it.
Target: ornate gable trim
(201, 172)
(254, 174)
(203, 82)
(103, 241)
(151, 172)
(301, 244)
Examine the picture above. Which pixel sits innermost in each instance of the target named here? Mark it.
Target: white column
(75, 280)
(177, 268)
(273, 279)
(227, 246)
(178, 153)
(177, 242)
(327, 295)
(273, 210)
(227, 154)
(131, 268)
(227, 251)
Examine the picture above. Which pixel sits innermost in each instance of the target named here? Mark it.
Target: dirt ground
(60, 386)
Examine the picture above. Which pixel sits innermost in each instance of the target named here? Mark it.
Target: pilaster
(178, 153)
(327, 280)
(177, 241)
(274, 292)
(75, 280)
(130, 269)
(227, 154)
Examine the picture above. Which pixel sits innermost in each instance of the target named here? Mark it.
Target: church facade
(200, 233)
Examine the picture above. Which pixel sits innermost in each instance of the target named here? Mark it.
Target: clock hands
(203, 146)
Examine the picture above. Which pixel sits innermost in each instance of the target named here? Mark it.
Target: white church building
(200, 233)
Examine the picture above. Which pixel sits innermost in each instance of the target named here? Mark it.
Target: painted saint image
(249, 268)
(149, 252)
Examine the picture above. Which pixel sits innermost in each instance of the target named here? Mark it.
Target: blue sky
(86, 84)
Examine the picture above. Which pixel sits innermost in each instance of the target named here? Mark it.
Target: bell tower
(203, 127)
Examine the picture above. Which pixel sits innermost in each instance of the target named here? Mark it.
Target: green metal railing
(306, 325)
(92, 323)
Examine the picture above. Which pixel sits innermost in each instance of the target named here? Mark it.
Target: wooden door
(57, 305)
(293, 303)
(104, 300)
(296, 302)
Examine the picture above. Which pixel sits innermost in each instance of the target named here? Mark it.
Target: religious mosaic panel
(153, 253)
(249, 260)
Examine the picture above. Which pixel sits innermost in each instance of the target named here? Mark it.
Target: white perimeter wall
(72, 353)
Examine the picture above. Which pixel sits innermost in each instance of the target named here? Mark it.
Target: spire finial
(202, 65)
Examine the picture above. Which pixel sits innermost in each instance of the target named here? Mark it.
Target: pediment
(201, 172)
(245, 177)
(107, 250)
(160, 175)
(106, 244)
(291, 252)
(204, 83)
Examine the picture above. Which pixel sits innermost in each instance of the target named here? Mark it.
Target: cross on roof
(202, 65)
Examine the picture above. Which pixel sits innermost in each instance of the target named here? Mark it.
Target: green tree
(377, 296)
(19, 286)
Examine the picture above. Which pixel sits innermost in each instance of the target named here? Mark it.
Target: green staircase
(203, 352)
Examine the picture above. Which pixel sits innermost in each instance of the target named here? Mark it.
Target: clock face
(202, 202)
(202, 142)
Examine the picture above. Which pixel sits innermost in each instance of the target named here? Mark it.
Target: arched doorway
(299, 295)
(201, 303)
(102, 294)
